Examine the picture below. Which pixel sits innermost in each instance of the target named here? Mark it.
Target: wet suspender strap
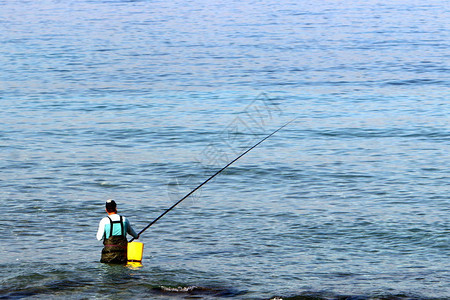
(122, 232)
(110, 227)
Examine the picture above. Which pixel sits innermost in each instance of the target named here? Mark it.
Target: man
(113, 230)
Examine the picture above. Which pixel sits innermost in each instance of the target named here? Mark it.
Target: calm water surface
(141, 101)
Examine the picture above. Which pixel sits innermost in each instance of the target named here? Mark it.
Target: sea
(143, 101)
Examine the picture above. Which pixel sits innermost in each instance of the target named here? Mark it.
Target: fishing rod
(211, 177)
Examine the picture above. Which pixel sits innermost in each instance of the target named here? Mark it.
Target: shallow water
(141, 101)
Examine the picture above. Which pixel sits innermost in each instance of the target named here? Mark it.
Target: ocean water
(141, 101)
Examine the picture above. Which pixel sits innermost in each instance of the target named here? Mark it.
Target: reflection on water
(141, 101)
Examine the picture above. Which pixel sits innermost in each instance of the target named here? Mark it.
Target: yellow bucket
(135, 251)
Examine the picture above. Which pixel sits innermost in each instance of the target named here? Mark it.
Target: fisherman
(113, 230)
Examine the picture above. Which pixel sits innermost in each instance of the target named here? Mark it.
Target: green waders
(115, 247)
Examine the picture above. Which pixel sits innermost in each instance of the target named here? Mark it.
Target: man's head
(111, 206)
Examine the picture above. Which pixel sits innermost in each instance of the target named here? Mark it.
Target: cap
(111, 205)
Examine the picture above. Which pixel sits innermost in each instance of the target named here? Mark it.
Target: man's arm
(101, 230)
(130, 230)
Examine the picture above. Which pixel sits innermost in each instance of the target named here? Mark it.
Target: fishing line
(211, 177)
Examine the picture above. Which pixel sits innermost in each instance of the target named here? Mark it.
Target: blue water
(141, 101)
